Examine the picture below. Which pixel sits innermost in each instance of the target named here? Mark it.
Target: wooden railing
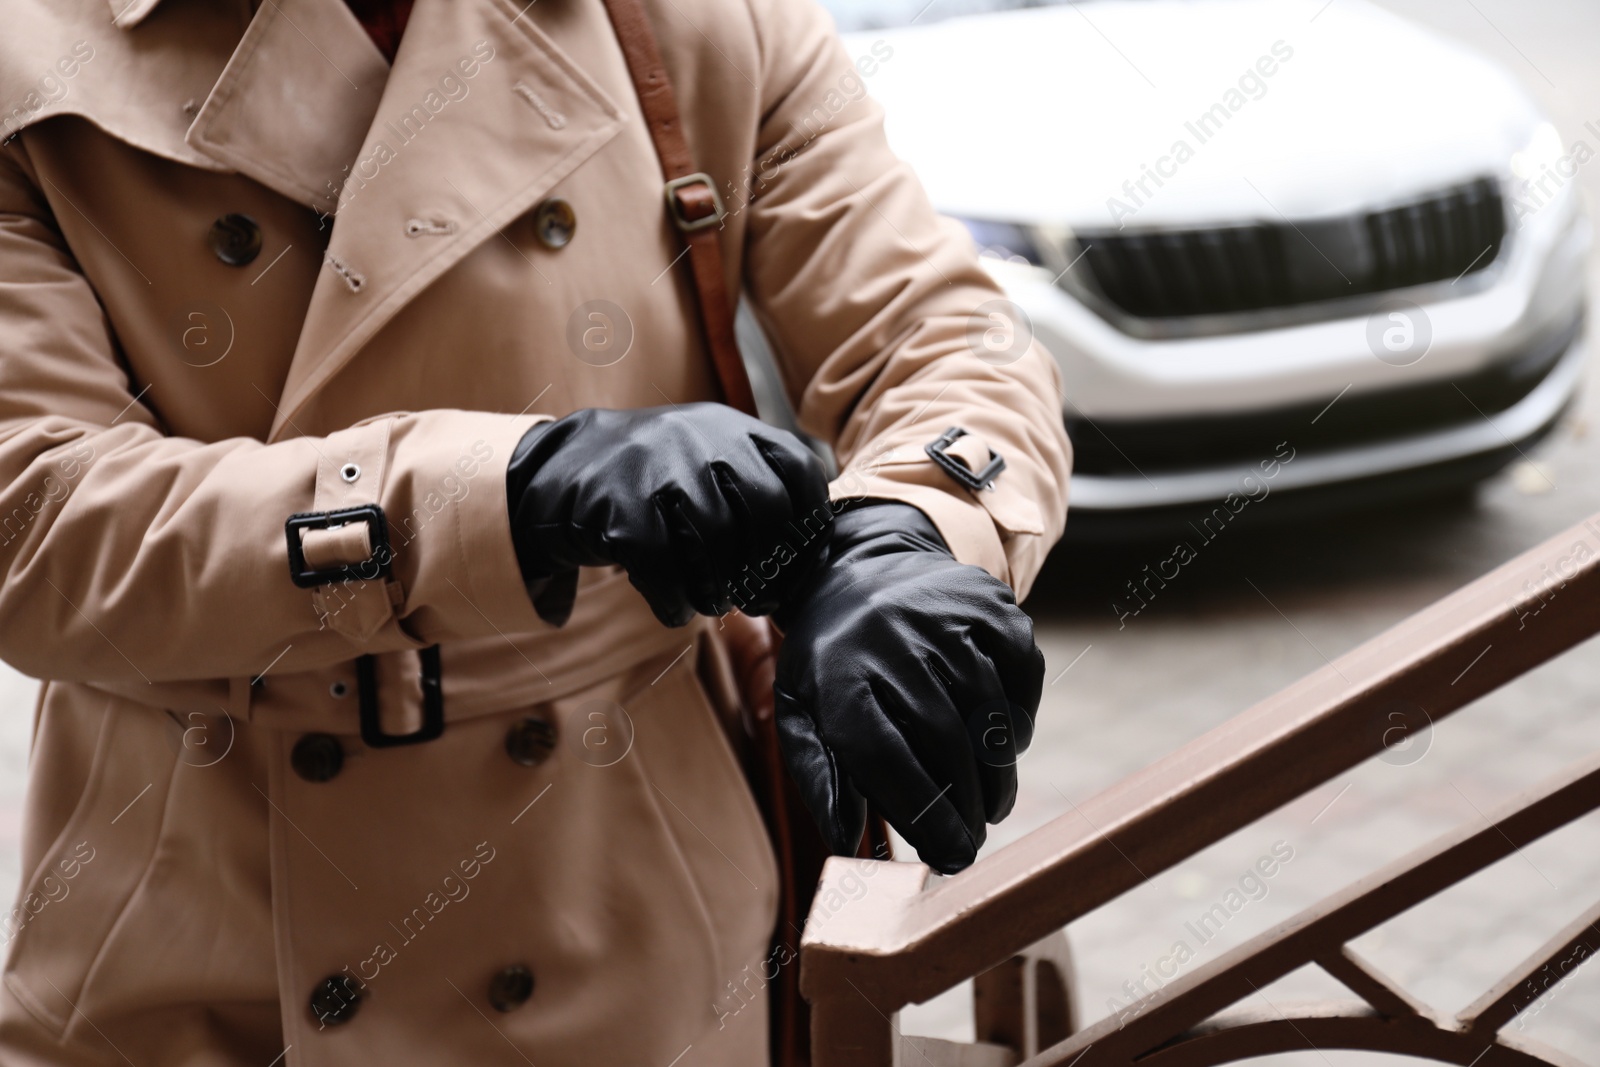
(883, 935)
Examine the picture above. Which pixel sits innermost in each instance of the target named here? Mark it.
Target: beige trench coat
(189, 881)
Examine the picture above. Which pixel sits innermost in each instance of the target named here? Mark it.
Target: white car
(1277, 246)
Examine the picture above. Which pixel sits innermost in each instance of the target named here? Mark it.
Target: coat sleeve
(880, 315)
(129, 555)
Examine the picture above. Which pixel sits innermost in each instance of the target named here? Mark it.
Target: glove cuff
(551, 588)
(870, 520)
(865, 528)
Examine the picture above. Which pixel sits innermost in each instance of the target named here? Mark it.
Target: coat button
(555, 222)
(530, 741)
(511, 988)
(335, 1000)
(317, 757)
(236, 239)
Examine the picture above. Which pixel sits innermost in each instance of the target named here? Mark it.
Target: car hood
(1053, 115)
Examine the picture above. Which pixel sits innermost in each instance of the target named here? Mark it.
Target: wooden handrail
(904, 938)
(1352, 911)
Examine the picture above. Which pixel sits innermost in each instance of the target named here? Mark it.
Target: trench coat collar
(295, 100)
(481, 115)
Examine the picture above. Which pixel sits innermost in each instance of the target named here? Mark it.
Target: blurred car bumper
(1453, 454)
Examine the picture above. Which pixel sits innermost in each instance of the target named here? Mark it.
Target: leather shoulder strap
(692, 200)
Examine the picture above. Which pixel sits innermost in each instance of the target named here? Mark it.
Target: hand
(908, 680)
(699, 503)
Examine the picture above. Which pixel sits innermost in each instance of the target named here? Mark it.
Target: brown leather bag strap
(693, 203)
(696, 210)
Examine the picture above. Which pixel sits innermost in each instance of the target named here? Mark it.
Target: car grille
(1230, 269)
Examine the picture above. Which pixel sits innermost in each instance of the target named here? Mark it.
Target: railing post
(860, 903)
(1026, 1003)
(847, 1030)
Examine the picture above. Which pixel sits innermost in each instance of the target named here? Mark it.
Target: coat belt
(612, 631)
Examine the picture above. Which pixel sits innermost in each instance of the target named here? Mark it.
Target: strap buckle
(690, 213)
(432, 703)
(975, 481)
(374, 566)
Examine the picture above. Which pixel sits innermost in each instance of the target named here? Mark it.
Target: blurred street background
(1265, 604)
(1256, 611)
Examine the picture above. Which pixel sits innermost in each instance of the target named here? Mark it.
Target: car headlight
(1542, 153)
(1542, 174)
(1004, 240)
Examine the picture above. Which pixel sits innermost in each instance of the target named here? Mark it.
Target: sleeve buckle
(953, 466)
(374, 566)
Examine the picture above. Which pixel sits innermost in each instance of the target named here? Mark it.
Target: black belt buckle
(974, 480)
(432, 703)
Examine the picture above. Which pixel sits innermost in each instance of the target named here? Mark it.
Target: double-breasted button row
(235, 238)
(320, 757)
(336, 999)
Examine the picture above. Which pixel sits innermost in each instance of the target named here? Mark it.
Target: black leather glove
(705, 507)
(908, 680)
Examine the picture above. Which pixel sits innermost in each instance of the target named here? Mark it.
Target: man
(366, 511)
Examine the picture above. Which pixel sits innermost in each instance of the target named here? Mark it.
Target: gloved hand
(908, 680)
(699, 503)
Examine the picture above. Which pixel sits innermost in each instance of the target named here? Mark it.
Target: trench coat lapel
(295, 101)
(480, 117)
(125, 14)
